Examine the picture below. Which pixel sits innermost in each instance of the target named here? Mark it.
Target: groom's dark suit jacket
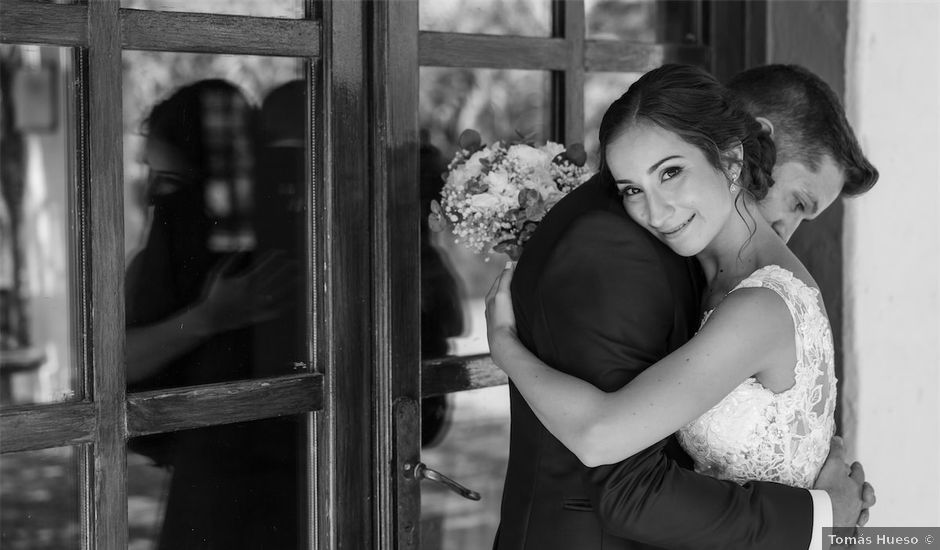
(598, 297)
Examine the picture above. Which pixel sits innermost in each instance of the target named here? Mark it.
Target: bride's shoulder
(757, 321)
(786, 268)
(751, 308)
(793, 284)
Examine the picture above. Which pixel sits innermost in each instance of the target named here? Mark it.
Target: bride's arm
(748, 333)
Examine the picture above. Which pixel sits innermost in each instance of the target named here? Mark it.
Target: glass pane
(215, 217)
(288, 9)
(648, 21)
(501, 105)
(600, 90)
(238, 486)
(40, 501)
(475, 453)
(506, 17)
(38, 363)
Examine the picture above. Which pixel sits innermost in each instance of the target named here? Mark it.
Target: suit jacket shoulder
(593, 275)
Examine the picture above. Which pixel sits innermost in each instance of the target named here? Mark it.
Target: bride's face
(670, 188)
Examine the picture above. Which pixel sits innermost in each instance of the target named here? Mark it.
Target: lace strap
(802, 300)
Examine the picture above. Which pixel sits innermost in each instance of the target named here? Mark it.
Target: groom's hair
(809, 121)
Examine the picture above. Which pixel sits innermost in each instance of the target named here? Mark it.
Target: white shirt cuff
(822, 517)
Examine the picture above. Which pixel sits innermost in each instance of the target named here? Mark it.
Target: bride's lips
(674, 232)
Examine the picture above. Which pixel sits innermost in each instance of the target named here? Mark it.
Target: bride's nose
(658, 211)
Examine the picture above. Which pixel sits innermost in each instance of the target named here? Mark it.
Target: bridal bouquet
(495, 195)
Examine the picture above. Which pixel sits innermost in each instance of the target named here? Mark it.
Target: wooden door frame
(399, 49)
(365, 262)
(102, 418)
(347, 465)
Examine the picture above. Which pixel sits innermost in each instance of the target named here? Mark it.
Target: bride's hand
(500, 320)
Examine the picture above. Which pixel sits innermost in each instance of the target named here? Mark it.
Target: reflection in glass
(287, 9)
(442, 316)
(215, 218)
(40, 500)
(475, 453)
(600, 90)
(237, 486)
(501, 105)
(37, 359)
(465, 435)
(647, 21)
(503, 17)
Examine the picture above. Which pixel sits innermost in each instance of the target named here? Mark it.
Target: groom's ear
(766, 124)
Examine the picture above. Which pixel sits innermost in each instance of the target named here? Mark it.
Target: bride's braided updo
(691, 103)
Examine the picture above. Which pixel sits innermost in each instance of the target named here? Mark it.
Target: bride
(752, 395)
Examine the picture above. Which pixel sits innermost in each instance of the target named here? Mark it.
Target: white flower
(485, 201)
(474, 164)
(498, 183)
(528, 156)
(552, 149)
(457, 178)
(546, 184)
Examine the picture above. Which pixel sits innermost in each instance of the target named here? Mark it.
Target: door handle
(421, 471)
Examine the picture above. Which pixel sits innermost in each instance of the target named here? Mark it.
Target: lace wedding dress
(756, 434)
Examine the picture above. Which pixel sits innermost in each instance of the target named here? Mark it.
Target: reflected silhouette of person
(192, 272)
(196, 293)
(441, 311)
(280, 215)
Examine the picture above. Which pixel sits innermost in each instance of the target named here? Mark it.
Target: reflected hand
(500, 318)
(259, 293)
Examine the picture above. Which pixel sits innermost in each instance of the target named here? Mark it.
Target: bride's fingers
(498, 284)
(491, 293)
(505, 278)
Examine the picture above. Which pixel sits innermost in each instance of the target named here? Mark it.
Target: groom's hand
(851, 496)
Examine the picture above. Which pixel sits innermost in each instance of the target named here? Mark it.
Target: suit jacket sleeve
(608, 310)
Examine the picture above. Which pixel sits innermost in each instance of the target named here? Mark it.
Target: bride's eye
(671, 172)
(628, 191)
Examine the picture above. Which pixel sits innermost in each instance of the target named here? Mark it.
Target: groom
(589, 298)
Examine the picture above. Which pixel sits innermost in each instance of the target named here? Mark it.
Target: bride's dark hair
(691, 103)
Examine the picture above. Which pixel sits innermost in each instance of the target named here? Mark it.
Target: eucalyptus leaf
(477, 186)
(536, 210)
(527, 197)
(527, 231)
(470, 140)
(510, 248)
(576, 154)
(436, 222)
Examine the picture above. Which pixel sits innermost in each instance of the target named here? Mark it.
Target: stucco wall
(892, 257)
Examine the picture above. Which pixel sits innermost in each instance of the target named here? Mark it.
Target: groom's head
(818, 157)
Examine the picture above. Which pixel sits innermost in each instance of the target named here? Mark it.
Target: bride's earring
(734, 183)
